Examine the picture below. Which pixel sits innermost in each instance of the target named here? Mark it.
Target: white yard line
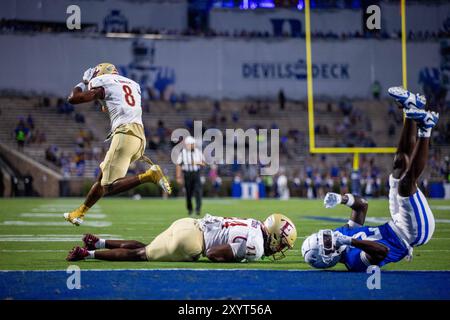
(97, 224)
(61, 210)
(51, 237)
(441, 208)
(57, 215)
(30, 251)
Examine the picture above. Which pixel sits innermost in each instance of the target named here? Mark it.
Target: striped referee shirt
(189, 160)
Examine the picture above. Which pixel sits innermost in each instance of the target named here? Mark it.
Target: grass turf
(143, 220)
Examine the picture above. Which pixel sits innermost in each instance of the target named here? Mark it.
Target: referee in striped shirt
(189, 161)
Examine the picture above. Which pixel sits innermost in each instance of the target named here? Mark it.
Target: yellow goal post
(356, 151)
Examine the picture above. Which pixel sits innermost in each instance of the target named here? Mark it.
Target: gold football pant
(127, 145)
(182, 241)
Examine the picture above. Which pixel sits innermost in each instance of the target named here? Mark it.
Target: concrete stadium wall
(6, 181)
(220, 67)
(45, 181)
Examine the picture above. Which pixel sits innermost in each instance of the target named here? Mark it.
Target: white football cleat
(407, 99)
(73, 220)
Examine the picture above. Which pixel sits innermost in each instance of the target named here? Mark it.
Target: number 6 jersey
(122, 99)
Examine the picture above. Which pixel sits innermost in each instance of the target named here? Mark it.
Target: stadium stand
(75, 148)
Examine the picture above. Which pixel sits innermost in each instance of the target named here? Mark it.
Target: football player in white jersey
(121, 98)
(219, 239)
(412, 222)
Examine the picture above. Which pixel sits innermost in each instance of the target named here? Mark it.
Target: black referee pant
(193, 187)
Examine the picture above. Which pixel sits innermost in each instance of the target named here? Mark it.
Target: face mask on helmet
(281, 235)
(319, 250)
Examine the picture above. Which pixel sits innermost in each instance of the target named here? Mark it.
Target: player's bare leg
(118, 254)
(412, 153)
(426, 121)
(92, 242)
(97, 191)
(405, 148)
(120, 250)
(407, 101)
(121, 255)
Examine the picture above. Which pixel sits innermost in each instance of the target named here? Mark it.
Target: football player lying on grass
(411, 223)
(220, 239)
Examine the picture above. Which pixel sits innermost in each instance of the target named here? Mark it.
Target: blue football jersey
(353, 258)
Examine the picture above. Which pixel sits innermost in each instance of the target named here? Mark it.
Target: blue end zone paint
(223, 284)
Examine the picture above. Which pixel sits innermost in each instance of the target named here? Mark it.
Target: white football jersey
(243, 235)
(122, 98)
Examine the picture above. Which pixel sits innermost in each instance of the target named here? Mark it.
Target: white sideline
(234, 269)
(56, 215)
(99, 224)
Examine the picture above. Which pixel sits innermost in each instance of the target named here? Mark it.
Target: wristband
(81, 85)
(351, 200)
(352, 224)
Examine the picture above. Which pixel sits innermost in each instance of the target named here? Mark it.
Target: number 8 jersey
(122, 99)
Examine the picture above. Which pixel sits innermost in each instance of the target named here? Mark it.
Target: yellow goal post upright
(356, 151)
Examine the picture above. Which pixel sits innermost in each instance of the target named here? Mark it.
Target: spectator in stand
(344, 183)
(309, 188)
(393, 113)
(81, 138)
(329, 183)
(281, 99)
(345, 106)
(215, 179)
(30, 122)
(51, 154)
(376, 90)
(235, 116)
(161, 132)
(391, 129)
(79, 118)
(21, 133)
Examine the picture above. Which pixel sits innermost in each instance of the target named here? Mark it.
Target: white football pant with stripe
(411, 215)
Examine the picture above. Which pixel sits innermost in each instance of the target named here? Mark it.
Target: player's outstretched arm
(375, 252)
(79, 96)
(359, 208)
(222, 253)
(358, 205)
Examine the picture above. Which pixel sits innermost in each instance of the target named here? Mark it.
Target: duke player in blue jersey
(412, 222)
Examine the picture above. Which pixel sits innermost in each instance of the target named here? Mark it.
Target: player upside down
(220, 239)
(121, 98)
(412, 222)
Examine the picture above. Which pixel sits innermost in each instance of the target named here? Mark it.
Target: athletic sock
(148, 176)
(91, 255)
(144, 177)
(83, 209)
(100, 244)
(424, 133)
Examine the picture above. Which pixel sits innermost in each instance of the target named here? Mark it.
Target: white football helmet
(320, 250)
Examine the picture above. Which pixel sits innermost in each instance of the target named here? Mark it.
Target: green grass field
(27, 225)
